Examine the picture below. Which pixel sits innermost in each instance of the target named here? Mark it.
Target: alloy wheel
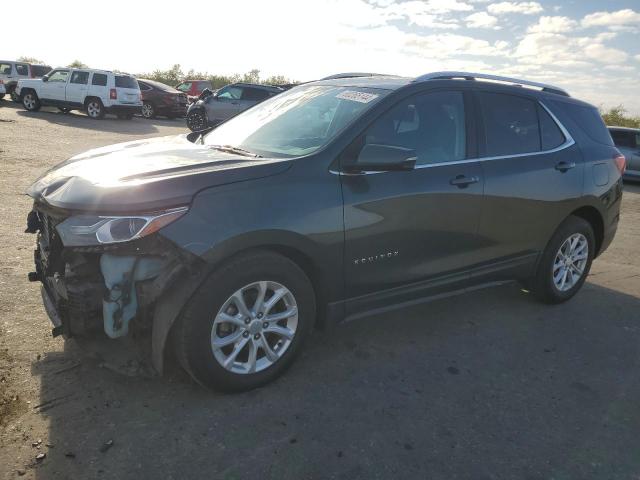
(254, 327)
(93, 109)
(196, 121)
(147, 110)
(29, 101)
(570, 262)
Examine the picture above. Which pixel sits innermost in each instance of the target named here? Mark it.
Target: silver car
(213, 108)
(628, 142)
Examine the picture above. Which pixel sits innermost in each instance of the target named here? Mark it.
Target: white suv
(95, 91)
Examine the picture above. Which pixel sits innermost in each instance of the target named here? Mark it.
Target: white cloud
(526, 8)
(608, 19)
(481, 20)
(553, 25)
(600, 53)
(447, 45)
(637, 57)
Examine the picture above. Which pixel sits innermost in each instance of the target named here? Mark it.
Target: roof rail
(497, 78)
(353, 75)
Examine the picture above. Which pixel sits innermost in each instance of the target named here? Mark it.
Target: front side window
(232, 93)
(510, 124)
(297, 122)
(5, 68)
(80, 78)
(432, 124)
(184, 87)
(22, 69)
(99, 79)
(59, 76)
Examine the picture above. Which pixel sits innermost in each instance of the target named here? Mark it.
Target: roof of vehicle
(156, 83)
(390, 82)
(626, 129)
(195, 80)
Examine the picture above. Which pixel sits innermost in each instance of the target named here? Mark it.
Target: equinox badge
(375, 258)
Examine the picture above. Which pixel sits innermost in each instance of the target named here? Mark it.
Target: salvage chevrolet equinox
(335, 199)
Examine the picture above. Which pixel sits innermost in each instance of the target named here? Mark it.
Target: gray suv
(212, 108)
(628, 142)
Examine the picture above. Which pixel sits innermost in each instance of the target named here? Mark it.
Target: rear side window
(510, 123)
(81, 78)
(99, 79)
(125, 81)
(22, 68)
(5, 68)
(254, 94)
(624, 138)
(551, 135)
(589, 120)
(144, 87)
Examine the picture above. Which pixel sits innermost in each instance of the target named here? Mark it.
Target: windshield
(297, 122)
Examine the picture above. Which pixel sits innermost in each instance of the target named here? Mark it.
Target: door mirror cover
(380, 158)
(45, 78)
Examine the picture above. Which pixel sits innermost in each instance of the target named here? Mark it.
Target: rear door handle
(564, 166)
(462, 181)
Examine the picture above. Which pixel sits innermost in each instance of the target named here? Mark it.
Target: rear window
(624, 138)
(99, 79)
(589, 120)
(510, 123)
(125, 81)
(40, 70)
(22, 68)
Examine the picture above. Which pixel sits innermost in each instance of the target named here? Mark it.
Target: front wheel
(197, 121)
(246, 323)
(31, 102)
(95, 109)
(565, 262)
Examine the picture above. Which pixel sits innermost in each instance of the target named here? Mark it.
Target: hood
(145, 175)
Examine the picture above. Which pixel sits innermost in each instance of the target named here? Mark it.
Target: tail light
(113, 94)
(621, 162)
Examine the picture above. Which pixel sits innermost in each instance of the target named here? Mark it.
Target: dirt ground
(487, 386)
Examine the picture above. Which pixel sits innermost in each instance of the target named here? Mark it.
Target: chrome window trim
(568, 142)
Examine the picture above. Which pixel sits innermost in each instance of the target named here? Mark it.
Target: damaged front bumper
(101, 290)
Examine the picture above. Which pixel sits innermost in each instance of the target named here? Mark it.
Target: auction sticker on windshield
(354, 96)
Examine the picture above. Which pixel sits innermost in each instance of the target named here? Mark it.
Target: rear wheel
(566, 262)
(148, 111)
(31, 102)
(14, 96)
(246, 323)
(196, 121)
(95, 109)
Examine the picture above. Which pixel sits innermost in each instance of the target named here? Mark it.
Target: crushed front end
(106, 283)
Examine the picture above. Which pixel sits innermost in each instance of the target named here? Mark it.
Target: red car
(193, 88)
(161, 99)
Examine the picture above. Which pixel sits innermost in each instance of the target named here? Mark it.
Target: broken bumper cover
(89, 290)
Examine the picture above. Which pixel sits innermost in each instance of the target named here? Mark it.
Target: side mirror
(45, 78)
(205, 93)
(381, 158)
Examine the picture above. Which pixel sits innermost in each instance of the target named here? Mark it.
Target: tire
(203, 321)
(14, 96)
(94, 108)
(197, 121)
(64, 110)
(30, 101)
(148, 111)
(565, 252)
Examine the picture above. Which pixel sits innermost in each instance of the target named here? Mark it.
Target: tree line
(614, 116)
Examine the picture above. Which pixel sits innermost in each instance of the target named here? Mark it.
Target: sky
(590, 48)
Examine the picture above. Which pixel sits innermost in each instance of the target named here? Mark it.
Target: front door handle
(564, 166)
(462, 181)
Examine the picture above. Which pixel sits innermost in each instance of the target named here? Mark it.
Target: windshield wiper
(237, 150)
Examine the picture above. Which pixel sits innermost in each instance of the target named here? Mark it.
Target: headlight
(86, 230)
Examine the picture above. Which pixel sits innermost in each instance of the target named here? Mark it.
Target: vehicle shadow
(110, 123)
(491, 384)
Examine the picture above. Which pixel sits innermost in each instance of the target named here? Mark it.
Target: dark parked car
(332, 200)
(628, 142)
(161, 99)
(214, 108)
